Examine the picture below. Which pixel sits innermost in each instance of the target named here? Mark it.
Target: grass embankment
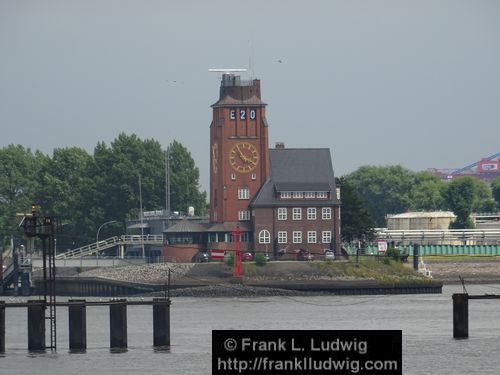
(367, 269)
(459, 258)
(388, 271)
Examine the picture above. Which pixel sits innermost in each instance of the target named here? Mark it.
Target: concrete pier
(77, 324)
(460, 316)
(77, 318)
(118, 324)
(161, 323)
(36, 325)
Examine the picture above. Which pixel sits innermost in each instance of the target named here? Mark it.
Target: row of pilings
(77, 327)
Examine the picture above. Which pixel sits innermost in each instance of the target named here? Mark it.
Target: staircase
(98, 247)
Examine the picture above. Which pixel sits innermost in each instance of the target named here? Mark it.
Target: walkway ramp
(99, 247)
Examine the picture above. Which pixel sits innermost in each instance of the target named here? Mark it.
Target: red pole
(238, 266)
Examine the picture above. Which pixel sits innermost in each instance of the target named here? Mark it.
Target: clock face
(243, 157)
(215, 157)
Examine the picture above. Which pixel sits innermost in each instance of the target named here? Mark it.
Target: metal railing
(439, 235)
(97, 247)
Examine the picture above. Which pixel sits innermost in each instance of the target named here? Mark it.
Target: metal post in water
(416, 250)
(161, 323)
(2, 325)
(36, 325)
(460, 315)
(118, 324)
(77, 318)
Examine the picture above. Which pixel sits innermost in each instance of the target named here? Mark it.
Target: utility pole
(167, 182)
(142, 218)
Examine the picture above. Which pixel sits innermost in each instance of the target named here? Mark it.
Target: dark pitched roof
(186, 226)
(298, 169)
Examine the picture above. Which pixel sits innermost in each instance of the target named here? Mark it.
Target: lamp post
(97, 236)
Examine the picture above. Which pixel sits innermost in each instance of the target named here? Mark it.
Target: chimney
(280, 145)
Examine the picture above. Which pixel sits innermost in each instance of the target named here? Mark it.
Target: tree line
(86, 190)
(381, 190)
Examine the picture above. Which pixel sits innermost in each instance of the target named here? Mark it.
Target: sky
(410, 82)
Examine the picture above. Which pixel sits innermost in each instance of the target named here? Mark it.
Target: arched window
(264, 236)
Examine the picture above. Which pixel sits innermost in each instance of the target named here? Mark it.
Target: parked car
(329, 255)
(305, 255)
(247, 257)
(200, 257)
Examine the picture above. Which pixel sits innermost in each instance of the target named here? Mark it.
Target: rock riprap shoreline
(154, 273)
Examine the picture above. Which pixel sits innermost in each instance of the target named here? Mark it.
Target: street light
(97, 236)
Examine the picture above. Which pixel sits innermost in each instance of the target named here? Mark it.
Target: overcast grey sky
(378, 82)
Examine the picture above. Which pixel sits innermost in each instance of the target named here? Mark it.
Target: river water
(425, 320)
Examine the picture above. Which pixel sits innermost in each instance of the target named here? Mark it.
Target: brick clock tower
(239, 151)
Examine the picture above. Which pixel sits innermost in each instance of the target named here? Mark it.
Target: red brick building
(281, 199)
(298, 206)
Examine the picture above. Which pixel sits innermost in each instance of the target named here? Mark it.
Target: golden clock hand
(242, 156)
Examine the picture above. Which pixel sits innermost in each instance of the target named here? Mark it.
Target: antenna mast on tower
(227, 71)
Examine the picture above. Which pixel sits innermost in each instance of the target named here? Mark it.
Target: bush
(260, 259)
(229, 260)
(393, 253)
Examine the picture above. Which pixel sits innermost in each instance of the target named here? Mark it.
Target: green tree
(185, 186)
(383, 190)
(66, 189)
(459, 197)
(356, 220)
(427, 192)
(495, 189)
(117, 170)
(18, 169)
(483, 198)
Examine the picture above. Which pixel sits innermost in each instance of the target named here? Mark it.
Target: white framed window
(311, 236)
(264, 236)
(296, 213)
(254, 176)
(233, 176)
(297, 194)
(285, 195)
(321, 194)
(282, 213)
(244, 215)
(282, 237)
(326, 213)
(297, 236)
(310, 194)
(311, 213)
(326, 236)
(244, 193)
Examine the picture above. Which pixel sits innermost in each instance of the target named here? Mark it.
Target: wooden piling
(161, 323)
(118, 324)
(460, 316)
(77, 318)
(2, 326)
(36, 325)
